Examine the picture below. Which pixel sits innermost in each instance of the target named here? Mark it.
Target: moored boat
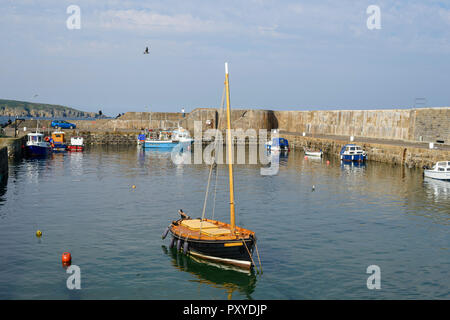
(58, 141)
(161, 139)
(211, 239)
(353, 152)
(277, 144)
(36, 145)
(313, 153)
(440, 171)
(76, 144)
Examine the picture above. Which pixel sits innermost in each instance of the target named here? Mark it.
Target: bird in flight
(146, 50)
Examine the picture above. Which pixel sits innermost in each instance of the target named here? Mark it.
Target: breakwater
(398, 136)
(421, 125)
(407, 154)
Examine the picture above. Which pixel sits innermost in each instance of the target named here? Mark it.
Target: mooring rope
(250, 255)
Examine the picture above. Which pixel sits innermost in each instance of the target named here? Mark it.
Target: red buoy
(66, 258)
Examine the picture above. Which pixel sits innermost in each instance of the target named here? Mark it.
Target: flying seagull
(146, 50)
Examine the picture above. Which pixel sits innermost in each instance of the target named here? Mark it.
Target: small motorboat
(141, 139)
(353, 152)
(183, 136)
(76, 144)
(313, 153)
(58, 142)
(440, 171)
(277, 144)
(36, 145)
(168, 139)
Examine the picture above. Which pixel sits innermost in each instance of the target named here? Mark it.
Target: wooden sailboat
(214, 240)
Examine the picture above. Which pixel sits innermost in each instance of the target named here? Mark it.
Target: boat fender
(179, 245)
(185, 247)
(172, 243)
(164, 235)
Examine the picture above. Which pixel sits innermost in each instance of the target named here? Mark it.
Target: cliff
(29, 109)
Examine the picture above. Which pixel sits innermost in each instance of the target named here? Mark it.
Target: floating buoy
(133, 186)
(313, 187)
(66, 258)
(328, 162)
(38, 233)
(306, 157)
(164, 235)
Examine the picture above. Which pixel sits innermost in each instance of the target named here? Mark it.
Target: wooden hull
(225, 250)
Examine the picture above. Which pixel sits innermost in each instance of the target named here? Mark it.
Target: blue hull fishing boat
(353, 152)
(36, 145)
(169, 139)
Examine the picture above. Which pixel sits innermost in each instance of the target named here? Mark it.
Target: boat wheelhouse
(353, 152)
(440, 171)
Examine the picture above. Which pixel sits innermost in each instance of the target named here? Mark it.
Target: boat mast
(230, 154)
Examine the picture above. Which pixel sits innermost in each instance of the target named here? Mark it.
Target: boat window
(441, 169)
(448, 169)
(352, 148)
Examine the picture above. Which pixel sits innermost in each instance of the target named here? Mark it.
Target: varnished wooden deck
(186, 232)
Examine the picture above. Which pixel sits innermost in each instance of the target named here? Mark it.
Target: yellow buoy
(38, 233)
(133, 186)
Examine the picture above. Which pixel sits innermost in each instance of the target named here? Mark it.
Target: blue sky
(283, 55)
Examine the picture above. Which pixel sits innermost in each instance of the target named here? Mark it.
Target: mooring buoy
(38, 233)
(66, 258)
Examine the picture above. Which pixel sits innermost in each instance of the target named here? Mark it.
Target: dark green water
(313, 244)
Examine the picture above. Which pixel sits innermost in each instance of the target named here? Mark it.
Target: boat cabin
(353, 149)
(58, 137)
(442, 166)
(35, 137)
(76, 141)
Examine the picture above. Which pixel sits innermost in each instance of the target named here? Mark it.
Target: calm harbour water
(313, 244)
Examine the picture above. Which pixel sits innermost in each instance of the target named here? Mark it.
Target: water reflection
(437, 189)
(229, 280)
(3, 185)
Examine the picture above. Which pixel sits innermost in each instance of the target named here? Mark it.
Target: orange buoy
(306, 157)
(328, 161)
(66, 258)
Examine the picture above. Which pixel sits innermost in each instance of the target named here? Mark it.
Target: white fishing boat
(182, 135)
(440, 171)
(313, 153)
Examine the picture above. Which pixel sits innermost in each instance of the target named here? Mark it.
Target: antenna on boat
(230, 154)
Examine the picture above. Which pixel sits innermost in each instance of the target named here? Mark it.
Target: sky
(282, 55)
